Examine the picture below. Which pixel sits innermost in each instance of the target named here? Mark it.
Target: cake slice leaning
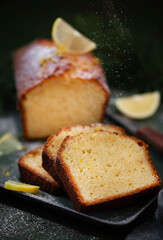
(31, 172)
(54, 142)
(103, 168)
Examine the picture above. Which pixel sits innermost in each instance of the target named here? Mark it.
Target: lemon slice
(68, 38)
(139, 106)
(22, 187)
(9, 144)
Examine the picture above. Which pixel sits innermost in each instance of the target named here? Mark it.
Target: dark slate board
(111, 217)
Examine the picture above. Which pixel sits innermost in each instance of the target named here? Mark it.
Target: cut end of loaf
(59, 102)
(102, 167)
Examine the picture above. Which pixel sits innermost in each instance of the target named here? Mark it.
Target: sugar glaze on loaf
(56, 89)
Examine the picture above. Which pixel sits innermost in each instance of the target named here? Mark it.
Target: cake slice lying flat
(104, 168)
(54, 142)
(31, 171)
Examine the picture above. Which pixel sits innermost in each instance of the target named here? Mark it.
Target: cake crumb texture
(103, 166)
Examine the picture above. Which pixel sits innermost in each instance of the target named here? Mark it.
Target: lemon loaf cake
(31, 172)
(104, 168)
(54, 142)
(57, 89)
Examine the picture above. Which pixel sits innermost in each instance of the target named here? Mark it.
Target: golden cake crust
(34, 64)
(122, 199)
(33, 176)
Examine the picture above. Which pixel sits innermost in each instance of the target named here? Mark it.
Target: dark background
(128, 33)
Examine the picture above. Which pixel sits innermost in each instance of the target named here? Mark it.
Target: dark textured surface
(153, 228)
(33, 222)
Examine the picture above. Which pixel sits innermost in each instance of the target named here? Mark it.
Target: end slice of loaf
(54, 142)
(31, 171)
(104, 168)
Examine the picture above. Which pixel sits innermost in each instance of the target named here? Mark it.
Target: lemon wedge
(21, 187)
(69, 39)
(9, 144)
(139, 106)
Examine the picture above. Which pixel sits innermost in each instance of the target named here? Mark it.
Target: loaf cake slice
(104, 168)
(54, 142)
(57, 89)
(31, 172)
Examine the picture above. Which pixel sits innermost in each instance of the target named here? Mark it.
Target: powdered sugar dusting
(28, 70)
(19, 224)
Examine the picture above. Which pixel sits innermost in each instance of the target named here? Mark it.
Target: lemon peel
(21, 187)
